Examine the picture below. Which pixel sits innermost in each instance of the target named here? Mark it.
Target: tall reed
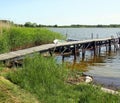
(17, 38)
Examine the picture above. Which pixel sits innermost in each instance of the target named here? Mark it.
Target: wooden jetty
(84, 45)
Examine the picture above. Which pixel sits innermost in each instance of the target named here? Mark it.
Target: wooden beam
(47, 47)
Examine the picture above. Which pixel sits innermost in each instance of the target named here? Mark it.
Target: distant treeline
(99, 25)
(30, 24)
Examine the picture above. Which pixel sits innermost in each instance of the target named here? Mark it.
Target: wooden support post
(114, 45)
(94, 48)
(4, 62)
(99, 48)
(106, 46)
(119, 42)
(77, 50)
(8, 63)
(74, 52)
(50, 51)
(109, 46)
(62, 52)
(83, 52)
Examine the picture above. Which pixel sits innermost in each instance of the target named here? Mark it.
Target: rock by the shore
(78, 79)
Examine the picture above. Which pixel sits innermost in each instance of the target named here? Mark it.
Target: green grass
(11, 93)
(46, 79)
(91, 94)
(16, 38)
(42, 77)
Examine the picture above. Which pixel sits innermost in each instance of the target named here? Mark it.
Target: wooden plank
(43, 48)
(24, 52)
(81, 42)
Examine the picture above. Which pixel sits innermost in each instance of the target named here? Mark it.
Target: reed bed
(17, 38)
(3, 26)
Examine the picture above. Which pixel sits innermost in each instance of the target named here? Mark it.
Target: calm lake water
(104, 69)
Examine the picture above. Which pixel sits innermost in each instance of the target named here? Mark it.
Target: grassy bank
(11, 93)
(15, 38)
(46, 79)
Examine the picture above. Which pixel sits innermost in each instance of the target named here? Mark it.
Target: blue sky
(61, 12)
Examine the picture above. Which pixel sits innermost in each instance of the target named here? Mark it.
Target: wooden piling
(99, 48)
(74, 52)
(114, 43)
(83, 52)
(94, 47)
(62, 52)
(109, 44)
(119, 42)
(106, 46)
(50, 52)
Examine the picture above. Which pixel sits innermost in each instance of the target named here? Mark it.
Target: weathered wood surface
(82, 41)
(43, 48)
(24, 52)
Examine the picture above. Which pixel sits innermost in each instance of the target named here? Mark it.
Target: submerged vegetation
(46, 79)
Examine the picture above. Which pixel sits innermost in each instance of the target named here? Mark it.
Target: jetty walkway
(74, 45)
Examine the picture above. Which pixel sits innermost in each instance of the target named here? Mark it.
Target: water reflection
(89, 60)
(108, 72)
(102, 67)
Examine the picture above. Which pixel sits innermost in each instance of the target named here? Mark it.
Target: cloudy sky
(61, 12)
